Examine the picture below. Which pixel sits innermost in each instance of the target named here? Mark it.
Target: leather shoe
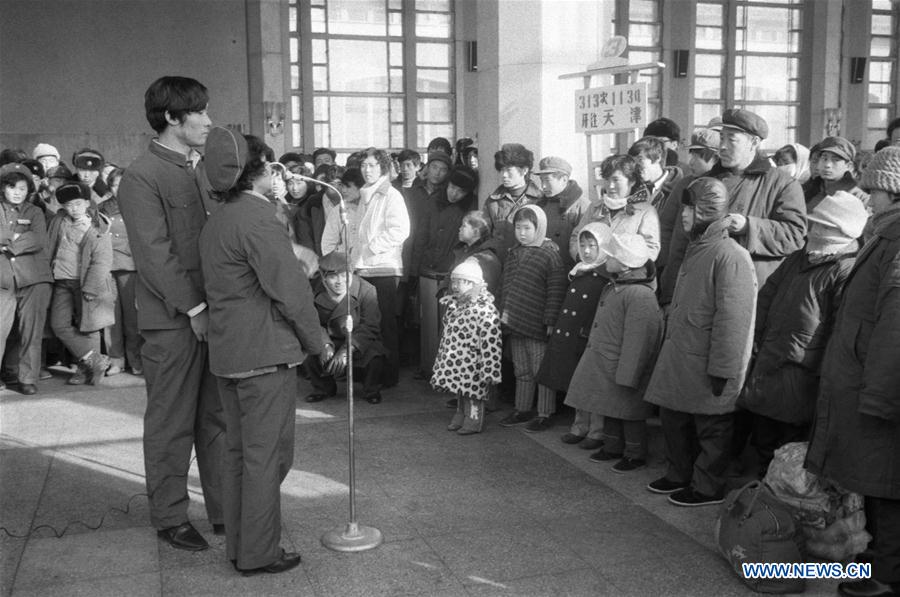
(374, 398)
(29, 389)
(184, 536)
(318, 397)
(868, 587)
(218, 529)
(285, 562)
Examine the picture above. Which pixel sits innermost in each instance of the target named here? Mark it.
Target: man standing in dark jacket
(564, 204)
(164, 209)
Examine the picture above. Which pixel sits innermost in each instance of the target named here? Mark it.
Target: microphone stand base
(352, 537)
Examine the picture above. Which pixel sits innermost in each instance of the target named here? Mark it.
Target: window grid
(375, 106)
(882, 69)
(643, 29)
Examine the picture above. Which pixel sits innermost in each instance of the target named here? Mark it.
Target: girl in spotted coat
(468, 358)
(569, 338)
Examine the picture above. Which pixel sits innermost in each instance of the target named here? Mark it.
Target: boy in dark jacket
(564, 204)
(534, 283)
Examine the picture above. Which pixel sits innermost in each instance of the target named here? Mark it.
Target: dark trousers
(123, 341)
(389, 305)
(65, 318)
(770, 434)
(183, 412)
(883, 523)
(259, 417)
(697, 448)
(324, 383)
(27, 307)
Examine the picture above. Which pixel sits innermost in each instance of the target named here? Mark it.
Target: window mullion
(729, 38)
(307, 115)
(410, 70)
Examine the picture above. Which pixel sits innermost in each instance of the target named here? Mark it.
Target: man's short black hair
(178, 96)
(894, 124)
(324, 150)
(410, 155)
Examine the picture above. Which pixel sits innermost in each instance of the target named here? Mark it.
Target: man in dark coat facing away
(262, 325)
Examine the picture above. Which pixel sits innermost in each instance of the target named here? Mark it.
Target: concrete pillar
(267, 64)
(821, 66)
(523, 47)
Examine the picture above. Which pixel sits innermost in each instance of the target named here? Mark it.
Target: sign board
(611, 109)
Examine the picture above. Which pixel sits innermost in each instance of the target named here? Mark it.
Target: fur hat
(883, 172)
(44, 150)
(628, 249)
(468, 270)
(88, 159)
(35, 166)
(842, 211)
(73, 190)
(224, 158)
(513, 154)
(665, 128)
(60, 171)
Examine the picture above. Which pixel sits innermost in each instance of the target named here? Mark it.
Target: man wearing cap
(25, 278)
(262, 325)
(331, 306)
(668, 131)
(164, 210)
(563, 203)
(46, 154)
(767, 210)
(856, 429)
(834, 166)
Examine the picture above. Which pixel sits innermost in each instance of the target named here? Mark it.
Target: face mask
(615, 203)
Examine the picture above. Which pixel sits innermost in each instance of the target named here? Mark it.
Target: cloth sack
(753, 526)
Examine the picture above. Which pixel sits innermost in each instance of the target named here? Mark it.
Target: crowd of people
(746, 299)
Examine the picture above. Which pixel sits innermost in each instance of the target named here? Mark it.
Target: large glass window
(643, 29)
(882, 70)
(360, 63)
(752, 62)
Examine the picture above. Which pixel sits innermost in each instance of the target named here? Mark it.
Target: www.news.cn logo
(808, 570)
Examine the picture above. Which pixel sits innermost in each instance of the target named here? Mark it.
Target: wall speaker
(857, 69)
(472, 56)
(682, 58)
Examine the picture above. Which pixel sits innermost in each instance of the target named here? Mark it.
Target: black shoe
(184, 536)
(571, 438)
(591, 443)
(626, 465)
(602, 455)
(868, 587)
(285, 562)
(318, 397)
(371, 399)
(538, 424)
(664, 486)
(452, 403)
(218, 529)
(29, 389)
(689, 498)
(516, 418)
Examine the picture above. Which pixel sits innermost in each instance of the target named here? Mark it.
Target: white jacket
(382, 229)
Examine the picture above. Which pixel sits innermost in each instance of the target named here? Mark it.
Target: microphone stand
(352, 536)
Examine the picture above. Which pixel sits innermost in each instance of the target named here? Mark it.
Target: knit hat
(464, 177)
(883, 172)
(44, 150)
(839, 146)
(468, 270)
(224, 158)
(73, 190)
(746, 122)
(628, 249)
(554, 165)
(334, 262)
(842, 211)
(440, 156)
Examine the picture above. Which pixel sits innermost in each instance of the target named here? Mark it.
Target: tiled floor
(500, 513)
